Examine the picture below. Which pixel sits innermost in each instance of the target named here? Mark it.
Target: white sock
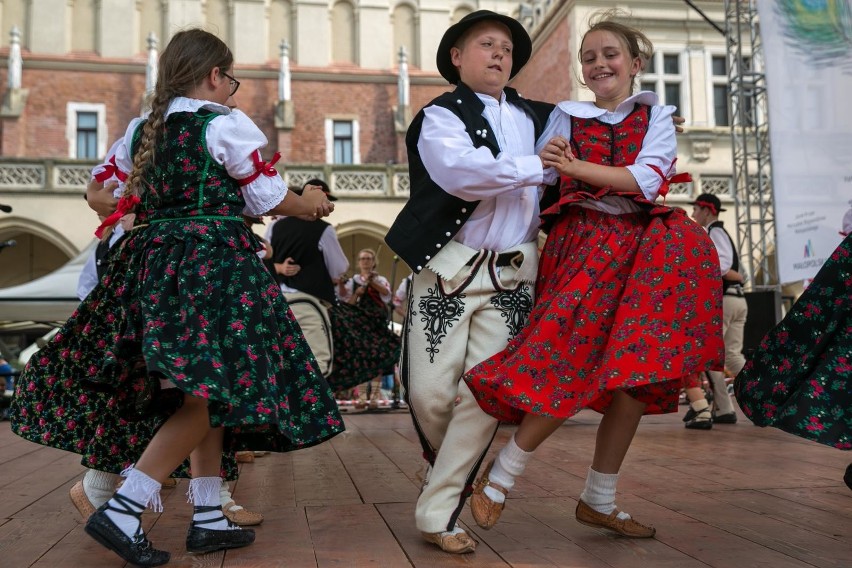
(510, 463)
(206, 492)
(599, 493)
(700, 406)
(99, 486)
(225, 497)
(140, 488)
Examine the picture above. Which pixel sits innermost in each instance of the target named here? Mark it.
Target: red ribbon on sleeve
(111, 169)
(125, 205)
(261, 167)
(669, 179)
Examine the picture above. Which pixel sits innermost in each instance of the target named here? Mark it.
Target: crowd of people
(196, 340)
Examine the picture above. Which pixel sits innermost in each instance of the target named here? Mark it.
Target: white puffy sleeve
(657, 156)
(234, 141)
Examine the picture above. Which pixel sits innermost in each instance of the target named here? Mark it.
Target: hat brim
(330, 197)
(696, 203)
(521, 43)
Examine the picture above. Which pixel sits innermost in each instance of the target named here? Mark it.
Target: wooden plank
(34, 475)
(377, 478)
(321, 479)
(353, 535)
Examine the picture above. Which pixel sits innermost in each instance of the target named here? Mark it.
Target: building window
(342, 141)
(87, 135)
(719, 82)
(86, 130)
(664, 75)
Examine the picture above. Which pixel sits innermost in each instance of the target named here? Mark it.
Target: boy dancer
(469, 231)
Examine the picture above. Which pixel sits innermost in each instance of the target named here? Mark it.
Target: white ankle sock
(702, 408)
(225, 497)
(140, 488)
(99, 486)
(206, 492)
(599, 493)
(510, 463)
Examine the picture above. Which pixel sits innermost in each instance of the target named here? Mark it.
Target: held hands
(557, 154)
(100, 199)
(288, 267)
(317, 201)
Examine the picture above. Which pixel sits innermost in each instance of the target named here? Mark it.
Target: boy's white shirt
(232, 139)
(659, 147)
(506, 186)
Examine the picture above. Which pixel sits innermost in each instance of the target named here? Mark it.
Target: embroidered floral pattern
(437, 312)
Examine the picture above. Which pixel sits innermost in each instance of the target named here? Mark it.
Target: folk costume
(198, 311)
(799, 378)
(469, 233)
(627, 293)
(362, 344)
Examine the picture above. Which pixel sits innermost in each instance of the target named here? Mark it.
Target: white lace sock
(143, 490)
(510, 463)
(206, 492)
(599, 493)
(225, 497)
(99, 486)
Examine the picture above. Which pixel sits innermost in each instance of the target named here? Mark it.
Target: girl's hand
(557, 154)
(318, 201)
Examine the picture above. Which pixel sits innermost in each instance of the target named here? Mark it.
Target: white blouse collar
(186, 104)
(588, 109)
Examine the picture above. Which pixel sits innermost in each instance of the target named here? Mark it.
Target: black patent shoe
(200, 540)
(847, 478)
(137, 549)
(701, 421)
(729, 418)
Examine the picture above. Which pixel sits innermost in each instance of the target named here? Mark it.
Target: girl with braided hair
(197, 328)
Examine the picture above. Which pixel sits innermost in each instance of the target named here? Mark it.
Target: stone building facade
(332, 101)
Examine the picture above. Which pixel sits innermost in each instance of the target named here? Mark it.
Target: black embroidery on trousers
(438, 312)
(515, 306)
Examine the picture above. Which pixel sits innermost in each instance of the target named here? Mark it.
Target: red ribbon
(125, 205)
(669, 179)
(261, 167)
(111, 169)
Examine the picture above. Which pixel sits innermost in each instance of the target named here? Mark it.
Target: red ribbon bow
(111, 169)
(125, 205)
(669, 179)
(261, 167)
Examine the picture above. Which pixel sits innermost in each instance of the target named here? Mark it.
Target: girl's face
(224, 84)
(608, 68)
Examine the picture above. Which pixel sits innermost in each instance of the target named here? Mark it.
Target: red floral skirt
(623, 302)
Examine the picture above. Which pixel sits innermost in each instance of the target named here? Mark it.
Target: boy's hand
(318, 201)
(678, 120)
(557, 154)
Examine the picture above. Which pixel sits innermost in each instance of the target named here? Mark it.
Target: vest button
(458, 101)
(419, 268)
(428, 257)
(458, 221)
(438, 245)
(464, 209)
(449, 234)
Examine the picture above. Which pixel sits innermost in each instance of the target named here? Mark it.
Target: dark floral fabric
(364, 346)
(198, 310)
(623, 302)
(800, 377)
(55, 408)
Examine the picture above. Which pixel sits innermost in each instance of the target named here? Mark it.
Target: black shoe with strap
(136, 549)
(200, 540)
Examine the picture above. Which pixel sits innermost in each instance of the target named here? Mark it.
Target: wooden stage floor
(733, 497)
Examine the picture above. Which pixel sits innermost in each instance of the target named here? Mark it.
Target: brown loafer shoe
(460, 543)
(245, 457)
(241, 517)
(78, 497)
(485, 511)
(626, 527)
(170, 483)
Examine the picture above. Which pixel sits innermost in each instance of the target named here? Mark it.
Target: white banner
(808, 57)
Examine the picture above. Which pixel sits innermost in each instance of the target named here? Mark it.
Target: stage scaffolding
(752, 175)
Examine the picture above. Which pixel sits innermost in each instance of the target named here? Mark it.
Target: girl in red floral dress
(627, 299)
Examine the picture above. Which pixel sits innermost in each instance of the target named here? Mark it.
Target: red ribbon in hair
(669, 179)
(111, 169)
(125, 205)
(261, 167)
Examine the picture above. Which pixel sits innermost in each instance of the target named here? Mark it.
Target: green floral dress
(196, 310)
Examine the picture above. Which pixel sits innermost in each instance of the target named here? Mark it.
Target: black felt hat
(521, 42)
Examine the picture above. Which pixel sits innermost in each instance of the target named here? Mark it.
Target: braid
(151, 133)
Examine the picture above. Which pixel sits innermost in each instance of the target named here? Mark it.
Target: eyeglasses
(233, 82)
(370, 258)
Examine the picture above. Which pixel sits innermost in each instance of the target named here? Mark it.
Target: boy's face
(483, 57)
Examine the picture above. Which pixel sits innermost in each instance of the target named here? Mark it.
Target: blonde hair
(373, 254)
(184, 63)
(636, 42)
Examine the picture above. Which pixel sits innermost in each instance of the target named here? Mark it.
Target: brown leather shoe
(170, 483)
(627, 527)
(241, 517)
(485, 511)
(81, 501)
(245, 457)
(460, 543)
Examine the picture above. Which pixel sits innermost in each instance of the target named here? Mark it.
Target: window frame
(660, 78)
(73, 109)
(330, 139)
